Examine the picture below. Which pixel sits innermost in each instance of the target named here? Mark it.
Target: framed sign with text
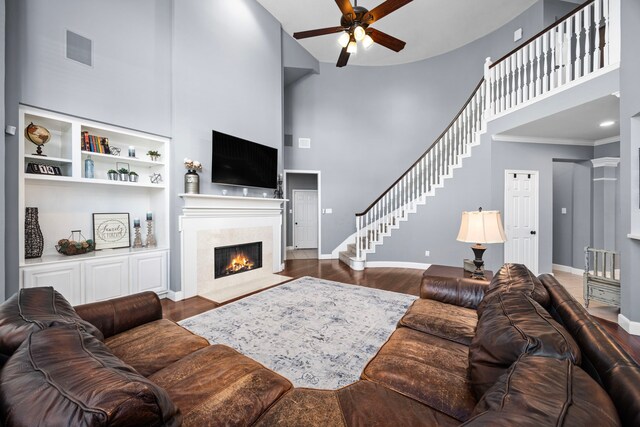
(111, 230)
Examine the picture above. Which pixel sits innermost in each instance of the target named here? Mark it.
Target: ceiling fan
(355, 25)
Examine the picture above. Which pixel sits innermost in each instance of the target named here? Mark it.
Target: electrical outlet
(427, 253)
(517, 34)
(564, 211)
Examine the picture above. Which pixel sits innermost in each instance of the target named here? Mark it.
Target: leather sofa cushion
(426, 368)
(152, 346)
(446, 321)
(516, 278)
(34, 309)
(362, 403)
(217, 385)
(63, 376)
(542, 391)
(512, 325)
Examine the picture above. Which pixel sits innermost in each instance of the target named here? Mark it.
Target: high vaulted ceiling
(430, 27)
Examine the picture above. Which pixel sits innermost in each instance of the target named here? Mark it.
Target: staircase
(579, 46)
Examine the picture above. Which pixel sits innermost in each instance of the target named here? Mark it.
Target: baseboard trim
(397, 264)
(326, 256)
(175, 295)
(289, 248)
(630, 326)
(567, 269)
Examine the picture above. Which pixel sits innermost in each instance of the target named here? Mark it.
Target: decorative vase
(33, 240)
(191, 182)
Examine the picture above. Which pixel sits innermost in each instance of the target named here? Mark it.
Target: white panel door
(64, 278)
(521, 218)
(149, 272)
(106, 278)
(305, 219)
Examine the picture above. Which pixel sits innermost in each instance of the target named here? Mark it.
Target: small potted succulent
(124, 174)
(154, 155)
(133, 177)
(112, 174)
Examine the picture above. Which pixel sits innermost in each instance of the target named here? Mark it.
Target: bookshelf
(66, 202)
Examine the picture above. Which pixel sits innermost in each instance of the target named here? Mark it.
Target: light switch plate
(328, 210)
(564, 211)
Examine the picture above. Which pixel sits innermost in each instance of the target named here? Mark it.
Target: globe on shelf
(39, 135)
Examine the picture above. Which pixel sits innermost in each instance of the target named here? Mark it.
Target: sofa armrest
(462, 292)
(121, 314)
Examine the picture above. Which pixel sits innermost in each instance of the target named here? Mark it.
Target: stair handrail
(453, 122)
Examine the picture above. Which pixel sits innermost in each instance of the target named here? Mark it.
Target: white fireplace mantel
(208, 221)
(214, 205)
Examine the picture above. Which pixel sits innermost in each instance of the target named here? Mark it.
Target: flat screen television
(236, 161)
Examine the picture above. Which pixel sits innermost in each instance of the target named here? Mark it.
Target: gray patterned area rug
(316, 333)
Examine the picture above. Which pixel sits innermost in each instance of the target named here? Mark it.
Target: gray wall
(607, 150)
(364, 143)
(556, 9)
(629, 144)
(297, 181)
(563, 223)
(227, 76)
(2, 150)
(128, 84)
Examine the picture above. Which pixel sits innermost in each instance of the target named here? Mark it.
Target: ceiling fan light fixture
(343, 40)
(367, 42)
(352, 47)
(359, 33)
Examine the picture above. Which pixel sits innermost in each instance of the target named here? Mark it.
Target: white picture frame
(111, 230)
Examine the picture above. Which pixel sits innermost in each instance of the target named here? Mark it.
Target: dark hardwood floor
(391, 279)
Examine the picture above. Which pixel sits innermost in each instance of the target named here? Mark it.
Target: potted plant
(112, 174)
(154, 155)
(124, 174)
(133, 177)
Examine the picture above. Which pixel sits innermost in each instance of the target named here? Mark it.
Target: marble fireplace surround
(210, 221)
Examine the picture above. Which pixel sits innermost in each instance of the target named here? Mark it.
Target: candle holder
(151, 239)
(137, 239)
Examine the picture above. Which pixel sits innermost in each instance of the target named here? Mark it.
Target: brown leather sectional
(519, 351)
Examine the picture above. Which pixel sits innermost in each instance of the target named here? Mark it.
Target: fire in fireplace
(236, 259)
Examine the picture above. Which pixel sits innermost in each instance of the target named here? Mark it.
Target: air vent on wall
(79, 48)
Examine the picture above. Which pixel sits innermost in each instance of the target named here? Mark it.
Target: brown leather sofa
(520, 351)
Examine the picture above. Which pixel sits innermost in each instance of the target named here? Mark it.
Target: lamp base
(478, 251)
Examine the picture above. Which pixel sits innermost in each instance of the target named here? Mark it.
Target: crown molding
(606, 162)
(542, 140)
(605, 141)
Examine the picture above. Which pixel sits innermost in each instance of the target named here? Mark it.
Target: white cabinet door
(64, 279)
(106, 278)
(149, 272)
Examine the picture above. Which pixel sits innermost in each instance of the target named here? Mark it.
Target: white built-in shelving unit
(66, 202)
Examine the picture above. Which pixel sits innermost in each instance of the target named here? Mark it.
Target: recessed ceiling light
(607, 123)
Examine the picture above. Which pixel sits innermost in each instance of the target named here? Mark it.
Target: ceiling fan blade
(386, 40)
(382, 10)
(343, 58)
(346, 8)
(318, 32)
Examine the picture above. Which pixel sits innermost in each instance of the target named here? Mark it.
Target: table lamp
(480, 227)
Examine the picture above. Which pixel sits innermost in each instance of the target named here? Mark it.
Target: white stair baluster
(532, 91)
(545, 62)
(597, 18)
(607, 32)
(554, 72)
(578, 32)
(586, 62)
(568, 34)
(538, 43)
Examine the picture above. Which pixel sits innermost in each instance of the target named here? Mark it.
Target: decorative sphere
(37, 134)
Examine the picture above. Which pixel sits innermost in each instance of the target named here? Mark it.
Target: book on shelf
(95, 144)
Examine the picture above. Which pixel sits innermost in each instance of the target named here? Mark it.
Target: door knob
(533, 232)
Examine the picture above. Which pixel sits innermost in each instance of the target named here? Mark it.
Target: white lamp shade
(481, 227)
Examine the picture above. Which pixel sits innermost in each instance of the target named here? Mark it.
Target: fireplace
(235, 259)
